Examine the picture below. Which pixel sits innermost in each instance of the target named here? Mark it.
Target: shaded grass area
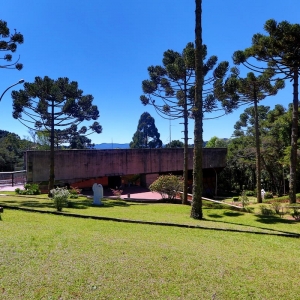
(54, 257)
(216, 216)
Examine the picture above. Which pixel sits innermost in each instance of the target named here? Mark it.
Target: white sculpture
(98, 194)
(263, 193)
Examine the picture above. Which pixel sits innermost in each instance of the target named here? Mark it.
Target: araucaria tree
(48, 104)
(146, 135)
(250, 90)
(275, 132)
(171, 90)
(9, 43)
(281, 51)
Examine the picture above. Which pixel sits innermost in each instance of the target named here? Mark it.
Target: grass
(216, 216)
(54, 257)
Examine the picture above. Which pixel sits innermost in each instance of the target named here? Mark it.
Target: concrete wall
(75, 165)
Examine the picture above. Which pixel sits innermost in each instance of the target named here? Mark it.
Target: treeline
(275, 145)
(12, 146)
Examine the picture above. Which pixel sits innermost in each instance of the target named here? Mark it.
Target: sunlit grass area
(46, 256)
(215, 215)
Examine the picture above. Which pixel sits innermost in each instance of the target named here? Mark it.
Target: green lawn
(47, 256)
(215, 216)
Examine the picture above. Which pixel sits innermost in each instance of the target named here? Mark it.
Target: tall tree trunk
(294, 138)
(258, 156)
(196, 210)
(51, 175)
(185, 163)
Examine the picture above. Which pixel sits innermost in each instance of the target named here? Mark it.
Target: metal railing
(12, 178)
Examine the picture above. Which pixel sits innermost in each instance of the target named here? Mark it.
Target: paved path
(9, 188)
(136, 192)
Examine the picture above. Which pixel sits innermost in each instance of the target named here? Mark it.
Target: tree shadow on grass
(72, 203)
(36, 204)
(226, 213)
(260, 219)
(273, 220)
(258, 227)
(27, 203)
(86, 203)
(233, 214)
(106, 203)
(112, 203)
(215, 216)
(79, 203)
(8, 202)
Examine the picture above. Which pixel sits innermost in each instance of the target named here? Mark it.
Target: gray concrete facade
(75, 165)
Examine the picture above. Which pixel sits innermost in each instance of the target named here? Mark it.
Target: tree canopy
(146, 135)
(9, 43)
(48, 104)
(171, 90)
(171, 87)
(275, 129)
(11, 150)
(216, 142)
(175, 144)
(280, 50)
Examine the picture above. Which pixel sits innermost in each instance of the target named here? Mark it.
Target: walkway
(137, 193)
(133, 194)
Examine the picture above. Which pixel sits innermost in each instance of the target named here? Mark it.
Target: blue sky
(107, 46)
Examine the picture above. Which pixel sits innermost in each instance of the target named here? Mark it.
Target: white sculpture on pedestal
(98, 194)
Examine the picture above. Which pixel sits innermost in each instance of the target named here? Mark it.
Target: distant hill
(112, 146)
(122, 146)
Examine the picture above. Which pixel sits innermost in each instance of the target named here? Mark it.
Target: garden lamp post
(20, 81)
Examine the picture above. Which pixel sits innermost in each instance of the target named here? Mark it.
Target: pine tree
(60, 104)
(146, 135)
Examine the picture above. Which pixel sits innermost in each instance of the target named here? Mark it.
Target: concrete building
(117, 167)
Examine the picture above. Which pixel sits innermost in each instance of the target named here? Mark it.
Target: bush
(117, 193)
(249, 193)
(265, 210)
(248, 209)
(74, 192)
(296, 212)
(276, 205)
(29, 189)
(268, 195)
(244, 199)
(235, 199)
(167, 185)
(60, 197)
